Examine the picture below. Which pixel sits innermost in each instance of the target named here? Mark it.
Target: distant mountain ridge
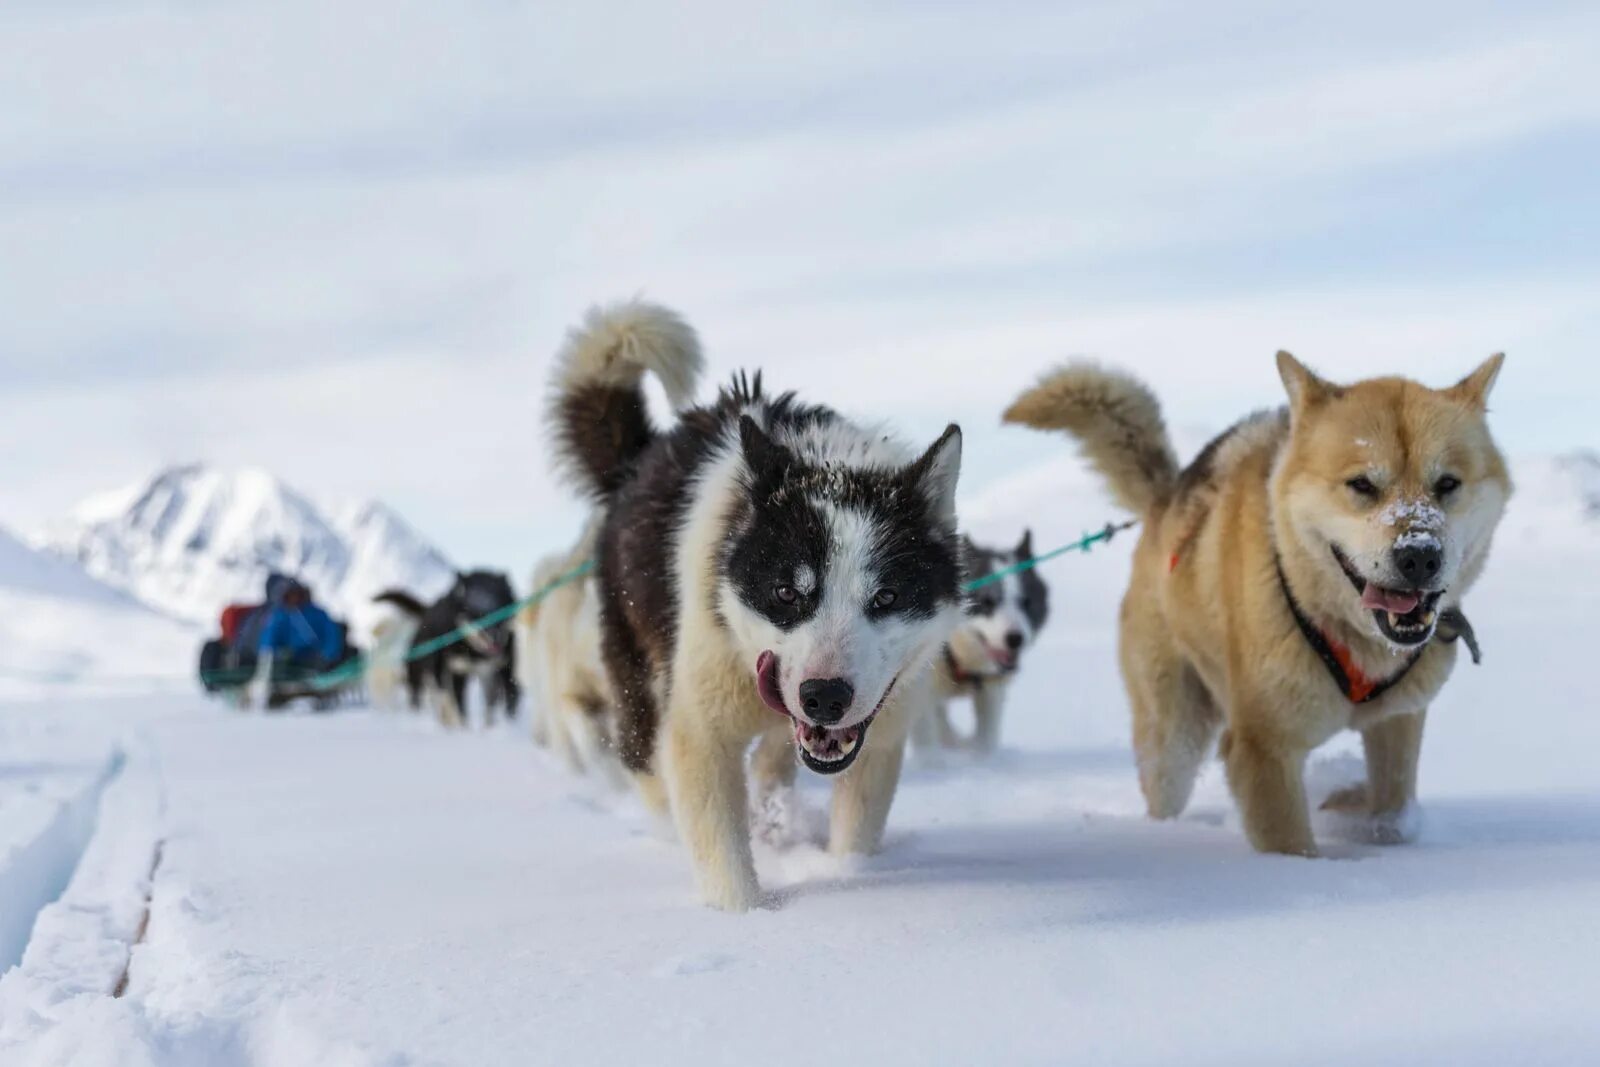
(194, 538)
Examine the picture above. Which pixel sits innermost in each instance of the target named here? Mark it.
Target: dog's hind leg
(584, 718)
(1174, 718)
(634, 716)
(1174, 724)
(559, 733)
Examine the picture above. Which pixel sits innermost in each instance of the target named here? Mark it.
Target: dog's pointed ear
(1473, 390)
(1305, 389)
(971, 555)
(1025, 546)
(764, 456)
(936, 470)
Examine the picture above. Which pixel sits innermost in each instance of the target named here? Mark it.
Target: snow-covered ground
(63, 632)
(363, 889)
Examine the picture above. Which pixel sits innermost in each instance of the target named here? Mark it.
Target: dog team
(776, 585)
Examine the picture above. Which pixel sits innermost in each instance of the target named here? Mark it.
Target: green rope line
(358, 665)
(1082, 544)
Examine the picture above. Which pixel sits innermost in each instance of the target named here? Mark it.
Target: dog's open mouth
(1404, 616)
(1003, 659)
(824, 749)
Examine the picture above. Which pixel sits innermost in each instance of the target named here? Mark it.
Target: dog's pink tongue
(1380, 599)
(767, 682)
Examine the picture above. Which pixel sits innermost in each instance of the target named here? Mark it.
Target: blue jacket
(300, 631)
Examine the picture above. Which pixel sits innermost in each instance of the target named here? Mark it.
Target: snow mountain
(195, 538)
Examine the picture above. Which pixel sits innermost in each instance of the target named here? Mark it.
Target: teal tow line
(1082, 544)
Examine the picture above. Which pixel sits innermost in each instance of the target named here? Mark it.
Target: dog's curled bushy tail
(402, 600)
(597, 404)
(1118, 422)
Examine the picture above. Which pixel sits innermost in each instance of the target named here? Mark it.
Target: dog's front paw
(1396, 827)
(732, 893)
(1354, 820)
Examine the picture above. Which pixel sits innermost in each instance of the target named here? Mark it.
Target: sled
(227, 669)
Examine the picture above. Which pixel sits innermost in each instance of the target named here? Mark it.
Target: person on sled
(296, 636)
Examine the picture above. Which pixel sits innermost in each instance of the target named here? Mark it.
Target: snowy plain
(363, 889)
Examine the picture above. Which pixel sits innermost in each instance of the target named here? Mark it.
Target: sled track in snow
(48, 839)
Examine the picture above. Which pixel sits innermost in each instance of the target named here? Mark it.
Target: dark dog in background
(487, 652)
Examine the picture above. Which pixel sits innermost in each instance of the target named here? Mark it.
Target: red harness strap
(1358, 687)
(961, 677)
(1182, 546)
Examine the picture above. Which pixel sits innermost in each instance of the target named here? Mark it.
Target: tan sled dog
(1303, 575)
(562, 669)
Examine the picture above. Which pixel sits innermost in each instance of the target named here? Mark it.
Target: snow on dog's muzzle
(824, 749)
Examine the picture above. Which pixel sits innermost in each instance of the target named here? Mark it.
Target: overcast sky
(341, 241)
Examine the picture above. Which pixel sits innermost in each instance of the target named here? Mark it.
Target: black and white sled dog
(767, 569)
(486, 652)
(1003, 618)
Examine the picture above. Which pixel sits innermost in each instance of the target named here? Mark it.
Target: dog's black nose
(825, 700)
(1419, 562)
(1014, 640)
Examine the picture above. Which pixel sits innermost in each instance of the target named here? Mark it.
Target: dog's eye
(1446, 485)
(786, 593)
(884, 598)
(1362, 485)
